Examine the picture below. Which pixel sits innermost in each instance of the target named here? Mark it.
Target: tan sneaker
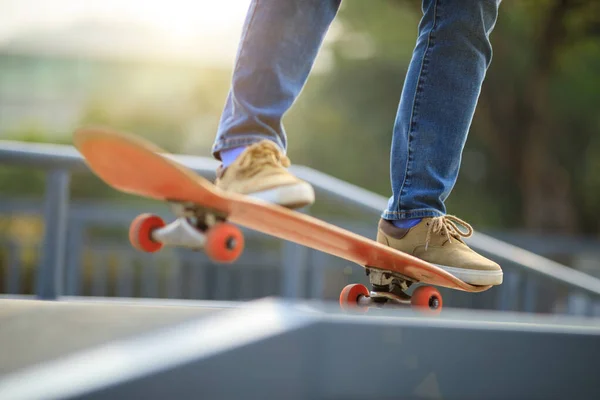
(261, 172)
(438, 241)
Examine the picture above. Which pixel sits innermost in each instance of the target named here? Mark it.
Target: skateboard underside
(194, 226)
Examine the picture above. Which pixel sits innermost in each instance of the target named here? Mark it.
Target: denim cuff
(399, 215)
(241, 140)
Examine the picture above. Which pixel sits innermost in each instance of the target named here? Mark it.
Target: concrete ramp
(274, 349)
(33, 332)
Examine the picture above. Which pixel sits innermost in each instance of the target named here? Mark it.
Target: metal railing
(526, 274)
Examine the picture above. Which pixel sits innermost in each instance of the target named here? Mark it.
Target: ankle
(229, 156)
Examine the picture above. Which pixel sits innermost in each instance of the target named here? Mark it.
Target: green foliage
(155, 125)
(534, 133)
(23, 182)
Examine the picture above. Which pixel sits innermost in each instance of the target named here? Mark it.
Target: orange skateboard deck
(138, 167)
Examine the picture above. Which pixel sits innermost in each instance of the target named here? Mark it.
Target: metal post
(99, 272)
(13, 271)
(509, 291)
(578, 304)
(75, 243)
(318, 273)
(530, 295)
(173, 284)
(293, 262)
(149, 276)
(125, 274)
(50, 276)
(596, 309)
(223, 282)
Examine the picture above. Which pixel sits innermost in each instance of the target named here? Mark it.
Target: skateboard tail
(136, 167)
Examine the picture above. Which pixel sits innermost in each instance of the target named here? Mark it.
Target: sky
(182, 18)
(181, 21)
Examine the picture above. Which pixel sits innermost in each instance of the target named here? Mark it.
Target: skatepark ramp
(273, 349)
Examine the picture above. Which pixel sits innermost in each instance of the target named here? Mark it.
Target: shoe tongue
(267, 149)
(258, 155)
(263, 148)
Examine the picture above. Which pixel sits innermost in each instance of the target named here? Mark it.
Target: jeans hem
(400, 215)
(239, 141)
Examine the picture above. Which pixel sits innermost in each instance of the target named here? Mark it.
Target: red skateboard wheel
(427, 299)
(140, 232)
(224, 242)
(350, 295)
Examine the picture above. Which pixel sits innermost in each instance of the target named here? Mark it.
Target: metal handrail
(65, 157)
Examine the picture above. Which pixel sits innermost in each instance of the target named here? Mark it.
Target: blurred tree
(546, 60)
(161, 125)
(531, 159)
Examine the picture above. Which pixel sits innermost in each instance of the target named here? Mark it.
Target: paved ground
(34, 331)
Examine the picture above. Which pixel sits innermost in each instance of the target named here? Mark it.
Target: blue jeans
(279, 43)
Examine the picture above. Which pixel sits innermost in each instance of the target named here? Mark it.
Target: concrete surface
(33, 331)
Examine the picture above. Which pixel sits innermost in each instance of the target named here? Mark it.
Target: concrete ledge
(276, 349)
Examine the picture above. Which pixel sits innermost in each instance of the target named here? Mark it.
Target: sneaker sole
(473, 276)
(291, 196)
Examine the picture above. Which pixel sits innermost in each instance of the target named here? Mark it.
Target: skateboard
(207, 219)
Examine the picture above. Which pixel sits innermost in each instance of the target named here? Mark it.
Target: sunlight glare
(184, 19)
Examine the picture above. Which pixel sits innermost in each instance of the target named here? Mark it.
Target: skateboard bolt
(230, 243)
(387, 276)
(434, 303)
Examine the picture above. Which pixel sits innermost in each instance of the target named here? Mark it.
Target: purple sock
(405, 223)
(228, 156)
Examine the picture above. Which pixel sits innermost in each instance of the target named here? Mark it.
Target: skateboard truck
(195, 228)
(180, 233)
(198, 228)
(389, 289)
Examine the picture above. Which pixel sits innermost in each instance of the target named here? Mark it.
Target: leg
(438, 101)
(279, 43)
(437, 105)
(277, 50)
